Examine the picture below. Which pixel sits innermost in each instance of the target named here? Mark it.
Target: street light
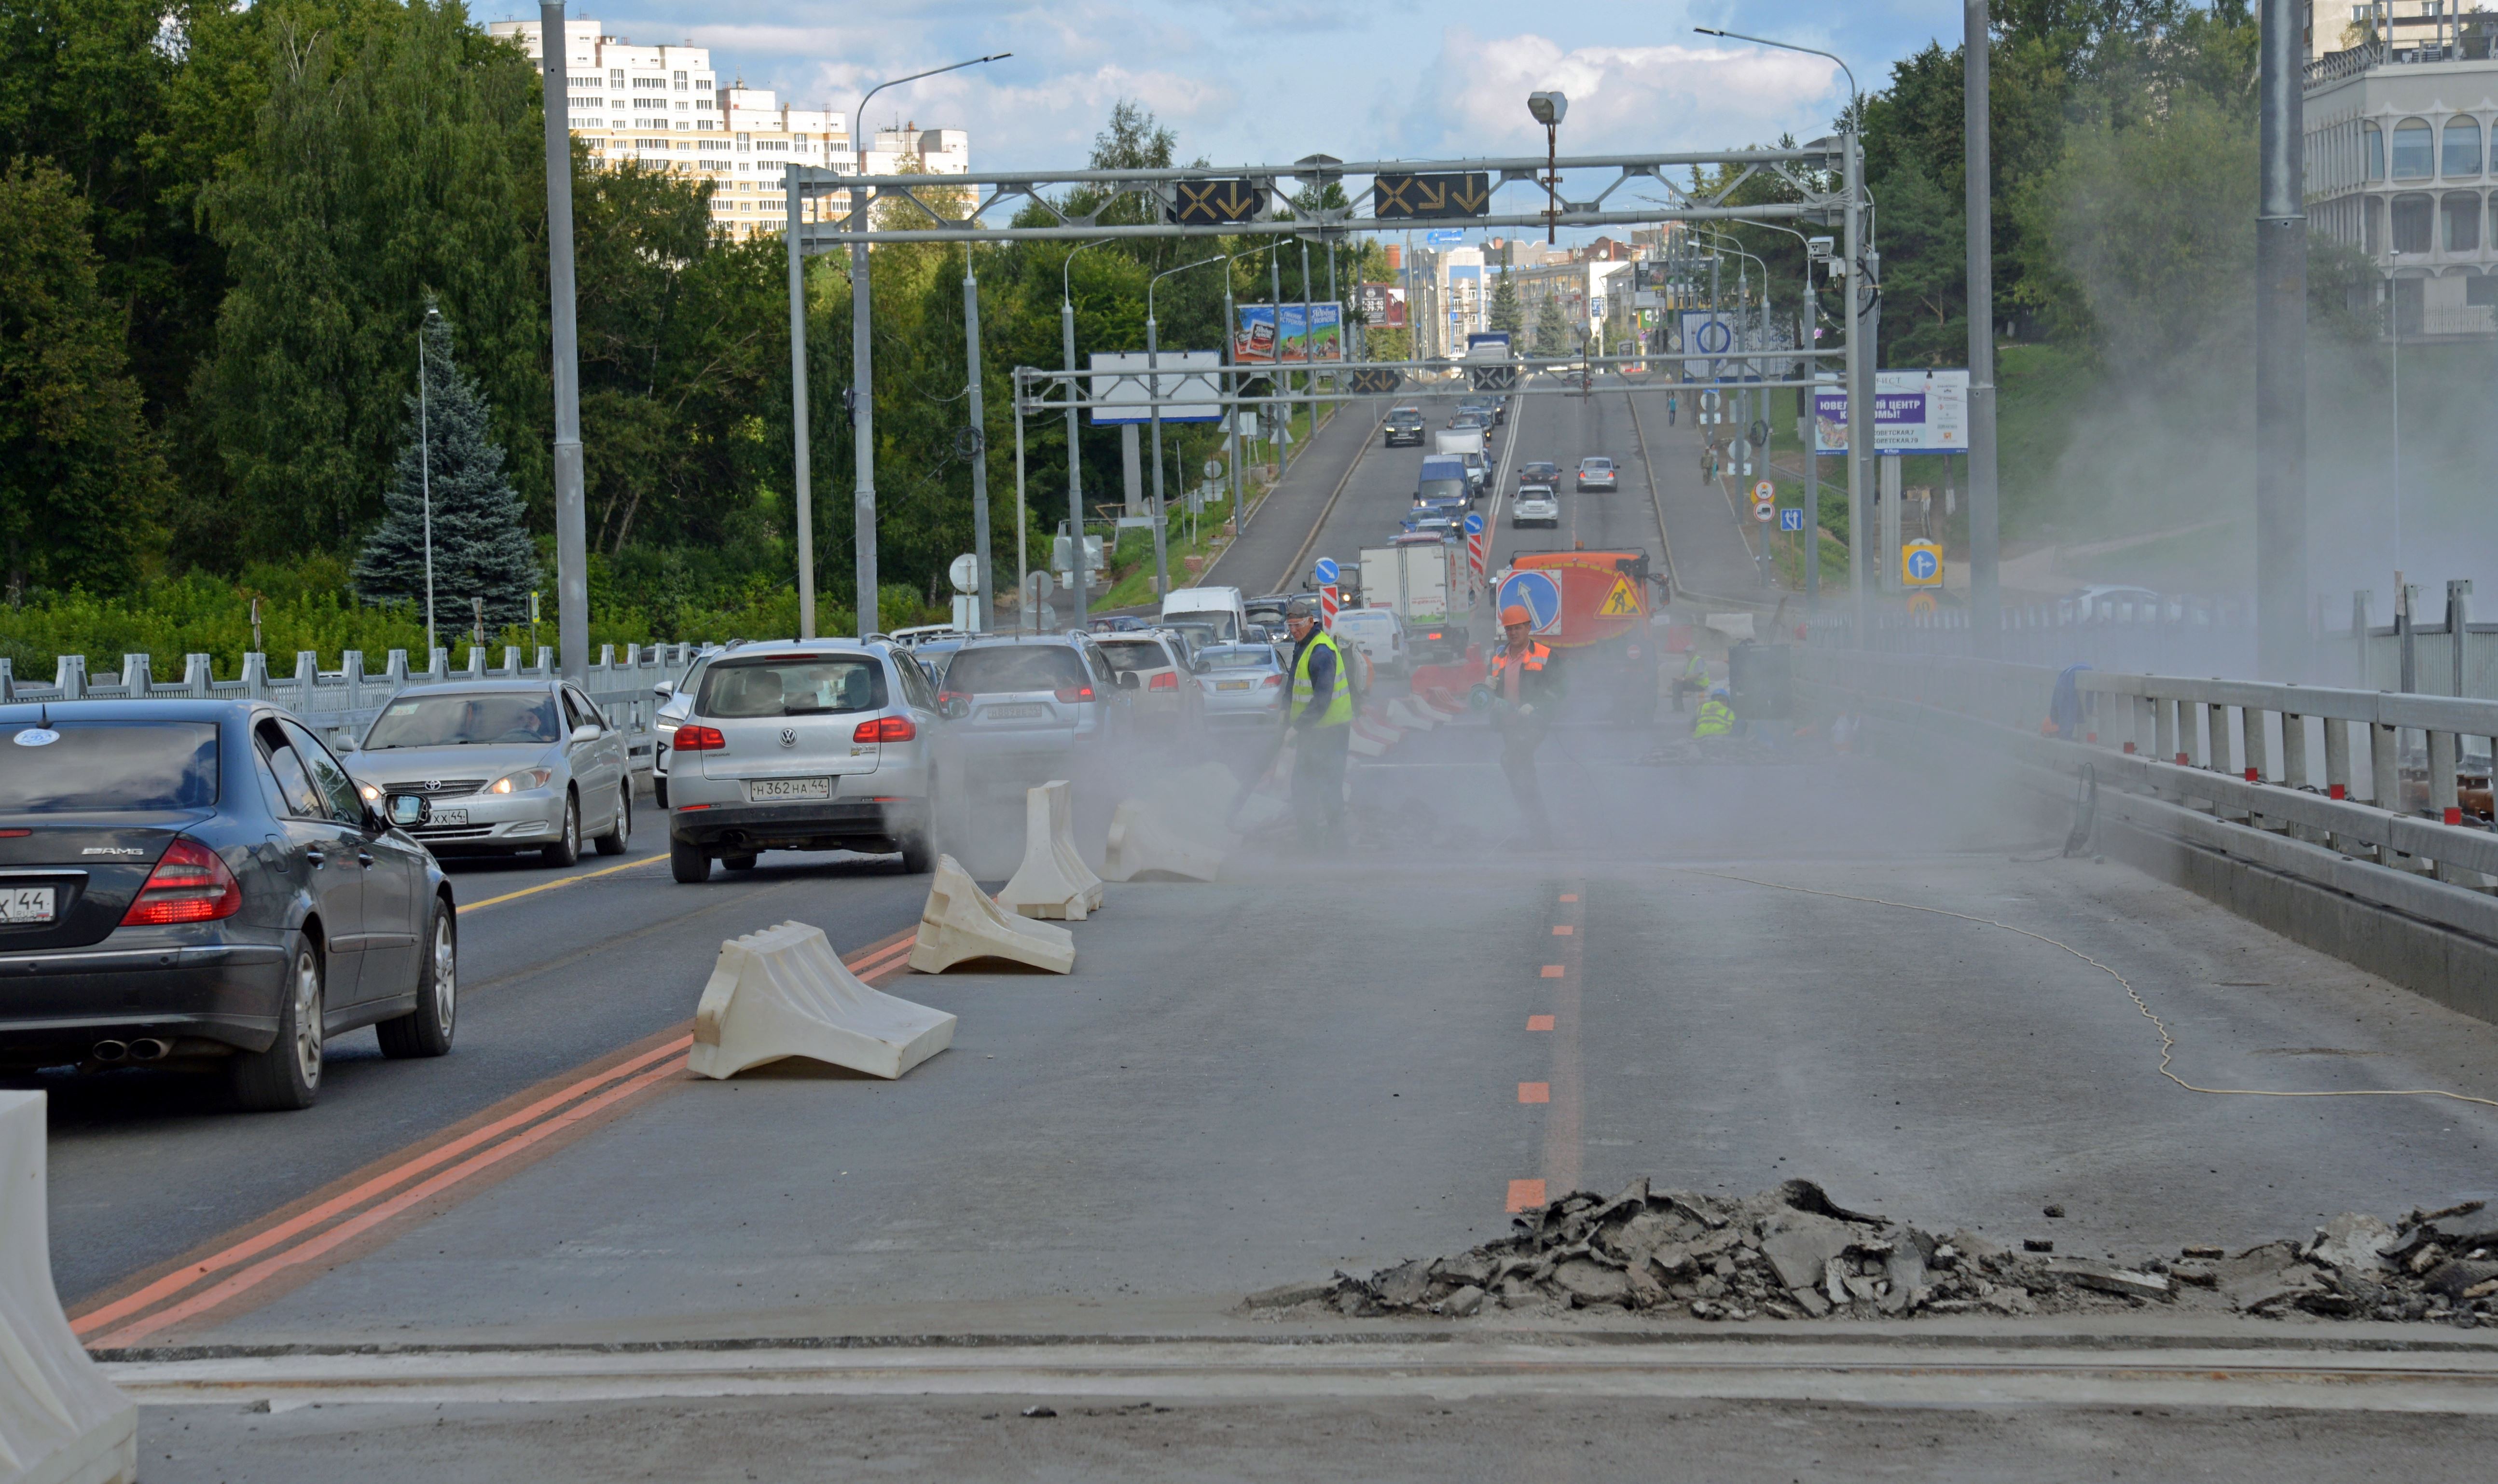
(425, 473)
(1154, 381)
(1548, 108)
(1762, 40)
(863, 395)
(1075, 420)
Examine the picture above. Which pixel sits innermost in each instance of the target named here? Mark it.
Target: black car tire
(427, 1030)
(739, 862)
(919, 854)
(617, 841)
(287, 1075)
(566, 848)
(688, 863)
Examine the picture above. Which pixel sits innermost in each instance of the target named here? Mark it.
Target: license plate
(789, 788)
(440, 817)
(1232, 684)
(1021, 711)
(26, 905)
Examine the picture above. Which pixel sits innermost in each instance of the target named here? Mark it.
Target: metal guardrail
(340, 703)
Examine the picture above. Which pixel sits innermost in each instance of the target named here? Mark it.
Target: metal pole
(1023, 528)
(863, 429)
(425, 466)
(2281, 353)
(1860, 376)
(1275, 377)
(1309, 341)
(1985, 597)
(983, 604)
(802, 452)
(1153, 391)
(1074, 463)
(1232, 389)
(571, 537)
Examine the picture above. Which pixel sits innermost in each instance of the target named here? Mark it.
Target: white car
(1534, 505)
(1377, 631)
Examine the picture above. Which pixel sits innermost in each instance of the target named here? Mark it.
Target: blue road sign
(1447, 236)
(1474, 525)
(1922, 565)
(1715, 337)
(1790, 520)
(1326, 571)
(1536, 593)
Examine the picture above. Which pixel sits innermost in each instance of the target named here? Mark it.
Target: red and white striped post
(1328, 601)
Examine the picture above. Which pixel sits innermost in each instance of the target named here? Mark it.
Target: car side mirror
(408, 810)
(586, 732)
(664, 689)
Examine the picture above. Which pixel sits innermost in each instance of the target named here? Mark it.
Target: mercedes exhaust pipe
(148, 1049)
(111, 1051)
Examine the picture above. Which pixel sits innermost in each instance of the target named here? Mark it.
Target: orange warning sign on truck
(1603, 596)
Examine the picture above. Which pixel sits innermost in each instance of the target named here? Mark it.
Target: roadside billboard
(1383, 305)
(1268, 334)
(1191, 383)
(1915, 412)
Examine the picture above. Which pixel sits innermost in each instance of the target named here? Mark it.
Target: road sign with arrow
(1214, 203)
(1413, 198)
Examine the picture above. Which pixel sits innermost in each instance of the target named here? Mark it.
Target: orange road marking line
(1563, 930)
(870, 963)
(1525, 1195)
(1539, 1023)
(1551, 970)
(1535, 1091)
(1569, 896)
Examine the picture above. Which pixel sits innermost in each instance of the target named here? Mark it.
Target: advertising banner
(1269, 334)
(1383, 305)
(1915, 412)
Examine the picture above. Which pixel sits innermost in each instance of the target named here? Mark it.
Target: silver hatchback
(1031, 706)
(797, 744)
(505, 766)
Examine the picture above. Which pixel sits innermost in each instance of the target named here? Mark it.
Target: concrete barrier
(1409, 712)
(62, 1422)
(784, 992)
(1377, 731)
(961, 923)
(1054, 880)
(1362, 744)
(1144, 845)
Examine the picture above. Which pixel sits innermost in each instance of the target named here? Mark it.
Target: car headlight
(373, 795)
(525, 778)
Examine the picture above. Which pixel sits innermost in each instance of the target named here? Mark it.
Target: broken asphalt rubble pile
(1790, 1253)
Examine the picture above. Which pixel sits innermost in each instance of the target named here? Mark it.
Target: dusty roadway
(1306, 1066)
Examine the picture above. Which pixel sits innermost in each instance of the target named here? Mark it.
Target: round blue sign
(1714, 335)
(1921, 565)
(1326, 570)
(1536, 593)
(1474, 525)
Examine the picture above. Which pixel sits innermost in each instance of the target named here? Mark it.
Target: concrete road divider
(1363, 744)
(1376, 729)
(1054, 880)
(784, 992)
(961, 923)
(1145, 846)
(1409, 712)
(62, 1422)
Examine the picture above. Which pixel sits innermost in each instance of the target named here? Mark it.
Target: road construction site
(1205, 1205)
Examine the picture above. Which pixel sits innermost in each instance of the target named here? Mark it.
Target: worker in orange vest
(1525, 683)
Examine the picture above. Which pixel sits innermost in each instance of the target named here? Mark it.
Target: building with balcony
(2400, 163)
(663, 106)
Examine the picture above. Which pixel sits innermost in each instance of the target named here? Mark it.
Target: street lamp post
(1154, 384)
(1232, 418)
(862, 379)
(1548, 110)
(983, 603)
(1075, 420)
(425, 474)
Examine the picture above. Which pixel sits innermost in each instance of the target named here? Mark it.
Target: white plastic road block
(1362, 744)
(784, 992)
(960, 924)
(1054, 880)
(1410, 713)
(62, 1422)
(1144, 844)
(1379, 732)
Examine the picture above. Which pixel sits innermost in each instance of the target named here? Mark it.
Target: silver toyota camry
(505, 766)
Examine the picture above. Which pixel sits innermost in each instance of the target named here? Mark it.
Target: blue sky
(1274, 81)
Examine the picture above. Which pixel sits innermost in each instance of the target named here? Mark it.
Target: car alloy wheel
(446, 973)
(306, 992)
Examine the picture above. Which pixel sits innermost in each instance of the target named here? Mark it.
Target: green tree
(450, 463)
(1506, 313)
(1553, 336)
(80, 478)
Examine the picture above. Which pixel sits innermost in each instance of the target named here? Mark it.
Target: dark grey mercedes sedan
(199, 884)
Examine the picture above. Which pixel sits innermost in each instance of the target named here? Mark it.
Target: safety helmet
(1717, 693)
(1515, 613)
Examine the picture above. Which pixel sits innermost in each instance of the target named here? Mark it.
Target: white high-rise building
(664, 107)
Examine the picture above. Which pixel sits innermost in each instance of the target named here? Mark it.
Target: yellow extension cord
(2167, 1042)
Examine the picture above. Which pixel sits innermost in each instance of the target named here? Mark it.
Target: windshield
(1595, 465)
(791, 685)
(74, 767)
(1014, 668)
(1441, 490)
(1220, 627)
(1136, 655)
(516, 716)
(1259, 658)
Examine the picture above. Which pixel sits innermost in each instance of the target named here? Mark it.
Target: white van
(1377, 631)
(1220, 606)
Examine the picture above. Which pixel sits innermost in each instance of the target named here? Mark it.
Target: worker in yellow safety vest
(1694, 680)
(1716, 717)
(1322, 727)
(1525, 683)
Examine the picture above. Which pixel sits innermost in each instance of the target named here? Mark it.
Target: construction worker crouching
(1717, 716)
(1527, 687)
(1322, 726)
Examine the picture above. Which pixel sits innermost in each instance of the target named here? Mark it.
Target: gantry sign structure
(1825, 178)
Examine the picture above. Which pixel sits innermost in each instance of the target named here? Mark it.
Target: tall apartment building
(663, 106)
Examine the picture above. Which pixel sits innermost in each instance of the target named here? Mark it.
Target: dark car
(1404, 425)
(1539, 471)
(200, 884)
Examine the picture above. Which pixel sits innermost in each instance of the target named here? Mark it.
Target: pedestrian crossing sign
(1623, 602)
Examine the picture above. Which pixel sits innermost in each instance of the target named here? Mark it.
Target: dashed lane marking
(1569, 896)
(1535, 1091)
(1539, 1023)
(1525, 1195)
(1563, 930)
(1551, 970)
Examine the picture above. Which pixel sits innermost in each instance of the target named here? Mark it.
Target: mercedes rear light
(700, 740)
(190, 884)
(884, 729)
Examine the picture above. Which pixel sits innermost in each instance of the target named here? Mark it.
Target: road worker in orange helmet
(1526, 688)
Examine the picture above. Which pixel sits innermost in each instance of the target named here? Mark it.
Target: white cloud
(1676, 95)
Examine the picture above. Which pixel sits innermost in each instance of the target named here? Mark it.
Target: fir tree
(1551, 331)
(480, 547)
(1506, 314)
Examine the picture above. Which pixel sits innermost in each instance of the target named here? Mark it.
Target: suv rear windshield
(108, 766)
(1244, 658)
(791, 685)
(1136, 655)
(442, 721)
(989, 670)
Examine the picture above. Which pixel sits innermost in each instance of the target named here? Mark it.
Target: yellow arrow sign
(1407, 197)
(1215, 203)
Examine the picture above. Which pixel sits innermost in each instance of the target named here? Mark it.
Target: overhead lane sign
(1214, 203)
(1423, 198)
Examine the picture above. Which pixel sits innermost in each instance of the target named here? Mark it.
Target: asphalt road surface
(1718, 980)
